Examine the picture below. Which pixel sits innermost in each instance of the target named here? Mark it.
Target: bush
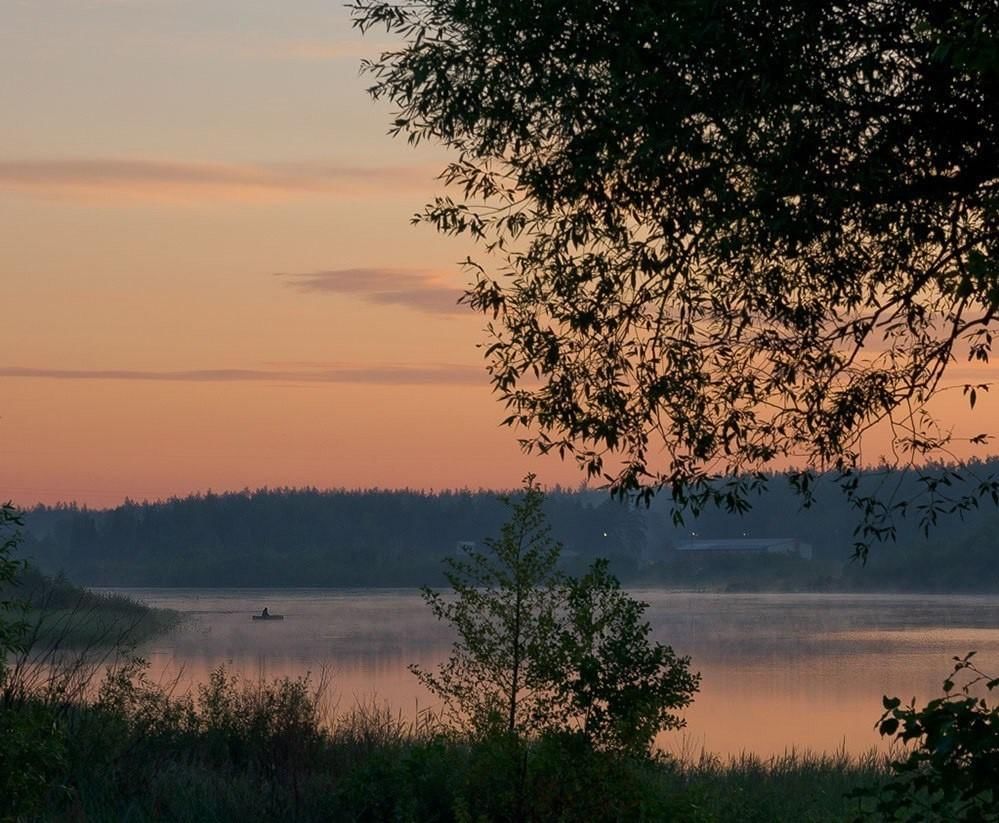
(617, 688)
(952, 772)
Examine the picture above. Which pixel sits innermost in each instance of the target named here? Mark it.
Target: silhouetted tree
(725, 236)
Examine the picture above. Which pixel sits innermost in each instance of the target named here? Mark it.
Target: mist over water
(780, 671)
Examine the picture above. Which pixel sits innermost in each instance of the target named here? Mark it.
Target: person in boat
(265, 613)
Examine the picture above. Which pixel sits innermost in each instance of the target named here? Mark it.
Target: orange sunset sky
(209, 279)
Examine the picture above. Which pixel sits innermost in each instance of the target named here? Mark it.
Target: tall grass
(126, 748)
(59, 613)
(797, 785)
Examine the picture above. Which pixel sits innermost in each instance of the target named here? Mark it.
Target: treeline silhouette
(308, 537)
(302, 537)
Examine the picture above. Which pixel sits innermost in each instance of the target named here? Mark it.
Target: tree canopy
(723, 237)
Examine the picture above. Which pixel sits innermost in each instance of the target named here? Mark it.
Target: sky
(209, 276)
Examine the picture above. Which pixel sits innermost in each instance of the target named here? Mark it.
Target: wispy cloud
(319, 50)
(413, 288)
(97, 178)
(383, 374)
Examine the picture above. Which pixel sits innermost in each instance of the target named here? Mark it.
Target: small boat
(266, 615)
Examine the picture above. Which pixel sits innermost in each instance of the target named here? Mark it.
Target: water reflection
(779, 671)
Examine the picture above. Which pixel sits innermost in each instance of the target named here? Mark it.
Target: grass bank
(59, 614)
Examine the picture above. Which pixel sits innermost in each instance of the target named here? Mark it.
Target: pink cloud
(414, 289)
(381, 374)
(95, 178)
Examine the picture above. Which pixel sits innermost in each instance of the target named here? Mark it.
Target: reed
(129, 748)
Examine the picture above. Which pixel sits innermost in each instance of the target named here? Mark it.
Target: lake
(780, 671)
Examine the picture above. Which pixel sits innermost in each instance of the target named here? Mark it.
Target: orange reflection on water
(780, 672)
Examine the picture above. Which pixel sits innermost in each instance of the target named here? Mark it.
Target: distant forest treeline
(306, 537)
(294, 537)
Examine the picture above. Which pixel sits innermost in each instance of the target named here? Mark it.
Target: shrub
(952, 771)
(617, 687)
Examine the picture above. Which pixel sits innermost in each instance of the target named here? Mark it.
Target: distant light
(605, 534)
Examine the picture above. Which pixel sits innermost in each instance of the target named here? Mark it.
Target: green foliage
(405, 783)
(796, 786)
(32, 747)
(952, 770)
(617, 686)
(538, 651)
(130, 746)
(504, 610)
(568, 780)
(274, 725)
(33, 755)
(11, 631)
(719, 237)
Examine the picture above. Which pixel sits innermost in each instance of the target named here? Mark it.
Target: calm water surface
(780, 671)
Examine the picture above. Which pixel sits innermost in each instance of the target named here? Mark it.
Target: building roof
(742, 544)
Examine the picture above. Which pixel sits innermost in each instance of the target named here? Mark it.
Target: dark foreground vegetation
(267, 752)
(239, 750)
(306, 537)
(128, 749)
